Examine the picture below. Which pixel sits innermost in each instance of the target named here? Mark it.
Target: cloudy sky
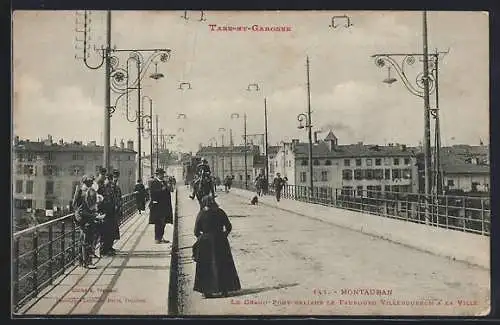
(54, 93)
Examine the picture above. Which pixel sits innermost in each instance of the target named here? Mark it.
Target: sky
(54, 93)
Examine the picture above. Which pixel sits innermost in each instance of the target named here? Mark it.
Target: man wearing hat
(160, 212)
(118, 206)
(107, 207)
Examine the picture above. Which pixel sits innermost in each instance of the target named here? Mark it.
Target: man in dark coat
(140, 196)
(107, 207)
(160, 212)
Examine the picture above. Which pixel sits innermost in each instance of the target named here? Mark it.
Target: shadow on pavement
(250, 291)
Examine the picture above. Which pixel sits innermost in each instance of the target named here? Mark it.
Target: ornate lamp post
(122, 84)
(426, 82)
(235, 116)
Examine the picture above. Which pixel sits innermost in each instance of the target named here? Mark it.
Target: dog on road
(254, 201)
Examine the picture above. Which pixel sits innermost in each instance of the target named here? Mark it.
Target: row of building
(45, 172)
(360, 167)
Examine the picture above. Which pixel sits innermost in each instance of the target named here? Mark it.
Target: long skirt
(215, 269)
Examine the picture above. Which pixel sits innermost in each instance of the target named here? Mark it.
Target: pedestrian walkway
(456, 245)
(133, 282)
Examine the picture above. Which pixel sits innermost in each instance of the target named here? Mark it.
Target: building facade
(225, 161)
(355, 167)
(45, 173)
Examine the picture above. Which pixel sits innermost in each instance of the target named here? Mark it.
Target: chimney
(91, 143)
(16, 140)
(360, 143)
(61, 142)
(403, 147)
(114, 144)
(50, 139)
(122, 144)
(316, 136)
(130, 145)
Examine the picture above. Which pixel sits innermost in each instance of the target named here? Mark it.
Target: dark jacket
(161, 203)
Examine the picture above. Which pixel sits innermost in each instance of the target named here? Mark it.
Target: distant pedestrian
(160, 205)
(215, 269)
(140, 196)
(278, 184)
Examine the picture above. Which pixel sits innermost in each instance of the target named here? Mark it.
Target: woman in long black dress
(215, 269)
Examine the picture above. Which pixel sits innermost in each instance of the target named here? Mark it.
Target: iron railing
(42, 253)
(463, 213)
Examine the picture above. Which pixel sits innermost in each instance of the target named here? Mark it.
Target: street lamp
(306, 118)
(256, 87)
(426, 82)
(121, 83)
(236, 116)
(148, 131)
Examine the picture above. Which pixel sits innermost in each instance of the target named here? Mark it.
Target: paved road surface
(291, 264)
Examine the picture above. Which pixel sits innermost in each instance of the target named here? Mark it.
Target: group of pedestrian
(228, 182)
(278, 185)
(97, 207)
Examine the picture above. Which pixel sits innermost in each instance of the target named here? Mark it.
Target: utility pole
(245, 150)
(311, 182)
(107, 92)
(139, 120)
(265, 140)
(231, 152)
(157, 149)
(427, 131)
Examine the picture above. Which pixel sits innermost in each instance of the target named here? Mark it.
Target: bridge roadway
(291, 263)
(296, 264)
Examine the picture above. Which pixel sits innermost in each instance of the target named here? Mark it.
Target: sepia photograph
(234, 163)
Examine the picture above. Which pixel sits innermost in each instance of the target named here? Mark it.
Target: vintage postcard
(179, 163)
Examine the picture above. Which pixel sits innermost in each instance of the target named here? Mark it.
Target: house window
(49, 170)
(19, 187)
(387, 188)
(29, 187)
(49, 187)
(316, 162)
(369, 174)
(407, 161)
(359, 190)
(347, 162)
(248, 177)
(289, 163)
(406, 173)
(241, 177)
(451, 182)
(324, 176)
(368, 162)
(358, 162)
(378, 162)
(304, 162)
(20, 157)
(396, 173)
(29, 170)
(378, 173)
(396, 161)
(358, 174)
(328, 162)
(387, 161)
(346, 190)
(387, 174)
(303, 177)
(347, 174)
(31, 157)
(49, 205)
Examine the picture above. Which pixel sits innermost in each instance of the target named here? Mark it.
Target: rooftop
(226, 149)
(24, 145)
(322, 150)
